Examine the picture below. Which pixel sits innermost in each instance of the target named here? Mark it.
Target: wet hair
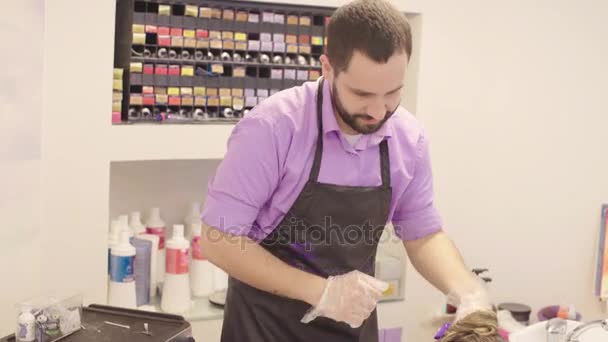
(479, 326)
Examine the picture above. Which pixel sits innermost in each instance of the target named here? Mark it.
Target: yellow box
(164, 9)
(240, 36)
(116, 106)
(205, 12)
(118, 73)
(225, 92)
(317, 40)
(227, 35)
(211, 91)
(226, 101)
(137, 28)
(173, 91)
(117, 85)
(200, 91)
(292, 48)
(237, 92)
(187, 70)
(136, 67)
(189, 33)
(191, 11)
(139, 38)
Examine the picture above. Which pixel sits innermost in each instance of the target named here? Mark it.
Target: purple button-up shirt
(270, 154)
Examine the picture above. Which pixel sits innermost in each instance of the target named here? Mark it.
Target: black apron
(329, 230)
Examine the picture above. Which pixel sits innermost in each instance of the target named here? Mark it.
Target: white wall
(513, 94)
(20, 115)
(510, 92)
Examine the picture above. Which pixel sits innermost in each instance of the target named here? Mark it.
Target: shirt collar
(331, 125)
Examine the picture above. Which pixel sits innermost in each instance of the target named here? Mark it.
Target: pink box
(161, 69)
(116, 117)
(174, 70)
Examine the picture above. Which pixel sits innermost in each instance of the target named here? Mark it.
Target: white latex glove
(348, 298)
(474, 298)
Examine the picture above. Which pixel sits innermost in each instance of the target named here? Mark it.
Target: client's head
(479, 326)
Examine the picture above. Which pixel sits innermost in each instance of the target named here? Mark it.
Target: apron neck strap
(316, 165)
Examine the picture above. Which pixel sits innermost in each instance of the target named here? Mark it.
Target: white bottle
(156, 226)
(122, 279)
(192, 217)
(201, 273)
(123, 221)
(112, 239)
(26, 324)
(135, 223)
(176, 287)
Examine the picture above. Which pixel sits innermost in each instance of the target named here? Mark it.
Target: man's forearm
(438, 260)
(250, 263)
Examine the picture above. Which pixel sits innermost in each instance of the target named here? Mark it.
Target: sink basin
(537, 333)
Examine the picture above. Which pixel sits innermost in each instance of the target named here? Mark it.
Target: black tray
(163, 327)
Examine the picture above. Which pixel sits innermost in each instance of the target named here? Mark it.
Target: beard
(356, 120)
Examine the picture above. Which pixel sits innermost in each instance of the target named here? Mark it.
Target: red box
(174, 70)
(161, 69)
(164, 41)
(151, 29)
(149, 69)
(202, 34)
(176, 31)
(149, 100)
(304, 39)
(116, 117)
(175, 100)
(163, 31)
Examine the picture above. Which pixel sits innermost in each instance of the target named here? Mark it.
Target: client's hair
(479, 326)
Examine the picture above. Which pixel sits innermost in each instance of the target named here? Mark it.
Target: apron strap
(316, 165)
(385, 168)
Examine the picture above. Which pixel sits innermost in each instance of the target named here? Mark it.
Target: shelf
(206, 61)
(137, 142)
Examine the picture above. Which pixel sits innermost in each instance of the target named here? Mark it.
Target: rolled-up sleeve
(245, 179)
(416, 215)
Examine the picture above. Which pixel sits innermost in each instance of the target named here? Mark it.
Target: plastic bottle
(122, 279)
(156, 226)
(112, 239)
(135, 223)
(26, 327)
(176, 287)
(123, 221)
(192, 217)
(201, 274)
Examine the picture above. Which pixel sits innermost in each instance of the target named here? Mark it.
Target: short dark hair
(373, 27)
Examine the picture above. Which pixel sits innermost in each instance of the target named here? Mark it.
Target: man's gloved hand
(348, 298)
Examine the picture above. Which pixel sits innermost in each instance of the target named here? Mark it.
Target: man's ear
(328, 70)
